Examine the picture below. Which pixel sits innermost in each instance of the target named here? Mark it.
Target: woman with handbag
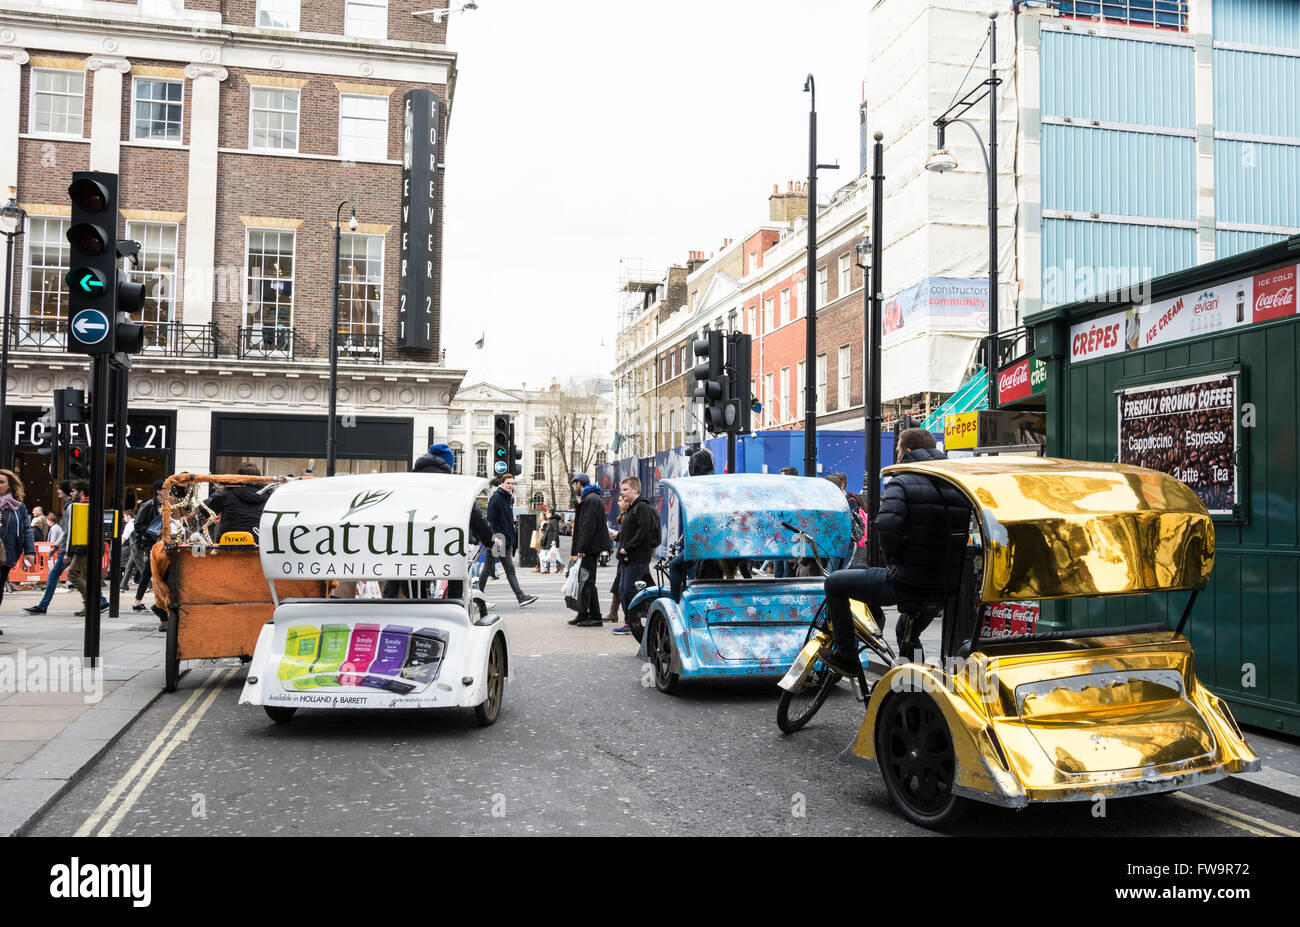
(15, 527)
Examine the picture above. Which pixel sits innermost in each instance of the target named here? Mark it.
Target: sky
(591, 131)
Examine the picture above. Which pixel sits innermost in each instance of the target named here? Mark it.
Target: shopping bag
(535, 540)
(572, 585)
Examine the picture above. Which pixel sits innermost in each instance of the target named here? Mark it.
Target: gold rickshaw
(212, 590)
(1066, 715)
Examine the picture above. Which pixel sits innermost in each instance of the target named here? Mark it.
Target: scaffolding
(639, 284)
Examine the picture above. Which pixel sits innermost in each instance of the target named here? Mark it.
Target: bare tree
(571, 432)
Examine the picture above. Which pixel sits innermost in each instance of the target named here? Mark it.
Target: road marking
(117, 791)
(1260, 828)
(213, 686)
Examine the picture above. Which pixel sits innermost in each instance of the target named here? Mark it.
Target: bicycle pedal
(857, 691)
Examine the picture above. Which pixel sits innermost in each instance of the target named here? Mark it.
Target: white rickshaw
(435, 648)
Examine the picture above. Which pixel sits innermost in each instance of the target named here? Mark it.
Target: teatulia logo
(364, 500)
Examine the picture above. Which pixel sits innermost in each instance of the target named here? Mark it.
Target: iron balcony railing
(167, 339)
(361, 346)
(266, 342)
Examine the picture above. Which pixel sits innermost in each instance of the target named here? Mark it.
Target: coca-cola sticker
(1275, 294)
(1013, 383)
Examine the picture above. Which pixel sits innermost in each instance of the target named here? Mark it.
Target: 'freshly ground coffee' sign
(404, 526)
(1187, 429)
(417, 273)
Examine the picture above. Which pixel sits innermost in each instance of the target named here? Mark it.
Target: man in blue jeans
(68, 495)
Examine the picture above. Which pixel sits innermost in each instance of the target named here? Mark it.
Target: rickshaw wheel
(171, 665)
(280, 714)
(915, 752)
(795, 709)
(636, 620)
(660, 651)
(487, 713)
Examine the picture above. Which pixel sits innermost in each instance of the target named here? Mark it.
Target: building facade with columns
(239, 129)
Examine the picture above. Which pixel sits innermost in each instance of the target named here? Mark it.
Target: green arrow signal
(85, 279)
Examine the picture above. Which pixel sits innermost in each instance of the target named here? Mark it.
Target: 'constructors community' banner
(1188, 430)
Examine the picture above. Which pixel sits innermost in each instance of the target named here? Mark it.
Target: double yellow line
(124, 795)
(1257, 826)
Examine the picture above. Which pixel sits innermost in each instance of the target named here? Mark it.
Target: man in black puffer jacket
(922, 526)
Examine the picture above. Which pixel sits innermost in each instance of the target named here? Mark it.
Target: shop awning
(971, 396)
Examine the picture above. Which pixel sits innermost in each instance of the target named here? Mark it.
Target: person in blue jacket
(501, 519)
(15, 527)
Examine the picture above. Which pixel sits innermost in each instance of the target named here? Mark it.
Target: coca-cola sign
(1275, 294)
(1013, 383)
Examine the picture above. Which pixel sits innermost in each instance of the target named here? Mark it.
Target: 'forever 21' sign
(417, 290)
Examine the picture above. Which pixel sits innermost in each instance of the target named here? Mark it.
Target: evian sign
(1275, 294)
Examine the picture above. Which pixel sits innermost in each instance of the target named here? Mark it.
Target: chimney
(694, 261)
(788, 206)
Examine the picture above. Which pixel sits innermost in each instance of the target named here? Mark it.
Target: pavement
(57, 717)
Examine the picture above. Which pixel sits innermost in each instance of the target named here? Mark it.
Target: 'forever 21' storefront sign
(417, 274)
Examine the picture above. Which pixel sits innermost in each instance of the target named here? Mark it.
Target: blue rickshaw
(733, 619)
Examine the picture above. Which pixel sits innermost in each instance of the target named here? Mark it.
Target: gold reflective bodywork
(1058, 528)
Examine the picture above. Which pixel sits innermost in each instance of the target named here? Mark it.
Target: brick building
(238, 128)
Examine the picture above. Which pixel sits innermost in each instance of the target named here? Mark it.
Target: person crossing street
(501, 519)
(590, 540)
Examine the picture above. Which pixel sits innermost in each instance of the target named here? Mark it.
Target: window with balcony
(278, 14)
(268, 310)
(157, 271)
(363, 127)
(366, 19)
(156, 109)
(274, 119)
(361, 295)
(57, 103)
(45, 306)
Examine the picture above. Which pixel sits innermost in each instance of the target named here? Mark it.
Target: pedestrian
(638, 537)
(590, 538)
(550, 557)
(615, 592)
(15, 527)
(61, 555)
(146, 532)
(540, 545)
(129, 572)
(81, 555)
(501, 519)
(38, 524)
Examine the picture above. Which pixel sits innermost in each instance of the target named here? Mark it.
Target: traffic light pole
(121, 379)
(98, 477)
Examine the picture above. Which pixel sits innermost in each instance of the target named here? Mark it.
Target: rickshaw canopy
(1061, 528)
(403, 526)
(739, 516)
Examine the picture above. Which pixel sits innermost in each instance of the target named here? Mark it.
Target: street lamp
(12, 218)
(331, 427)
(941, 161)
(810, 292)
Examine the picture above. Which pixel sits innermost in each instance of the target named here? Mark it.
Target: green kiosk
(1195, 374)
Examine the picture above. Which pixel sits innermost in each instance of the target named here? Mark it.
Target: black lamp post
(810, 292)
(871, 260)
(12, 218)
(941, 161)
(331, 427)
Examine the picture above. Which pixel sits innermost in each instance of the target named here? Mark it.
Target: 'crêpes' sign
(403, 526)
(1187, 429)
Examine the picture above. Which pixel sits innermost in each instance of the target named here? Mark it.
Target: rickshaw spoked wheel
(488, 712)
(795, 709)
(917, 760)
(171, 664)
(660, 651)
(280, 714)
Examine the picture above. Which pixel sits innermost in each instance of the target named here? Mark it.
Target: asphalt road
(585, 745)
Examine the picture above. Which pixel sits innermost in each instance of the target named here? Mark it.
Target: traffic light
(711, 381)
(76, 461)
(128, 334)
(738, 373)
(500, 444)
(92, 277)
(515, 454)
